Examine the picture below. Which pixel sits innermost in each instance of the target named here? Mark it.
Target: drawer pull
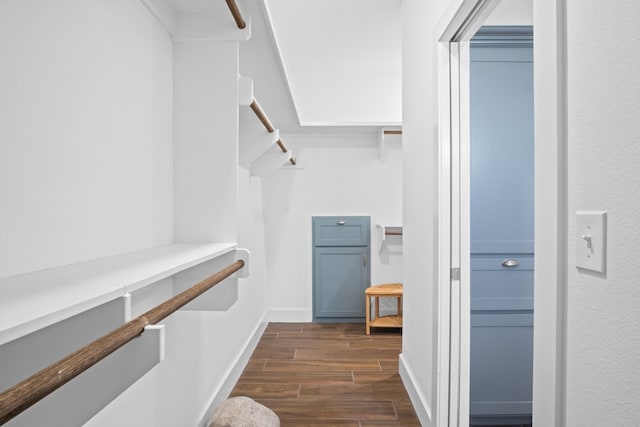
(510, 263)
(341, 222)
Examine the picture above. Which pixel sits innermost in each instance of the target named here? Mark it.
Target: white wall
(342, 176)
(603, 89)
(511, 12)
(420, 203)
(205, 140)
(85, 111)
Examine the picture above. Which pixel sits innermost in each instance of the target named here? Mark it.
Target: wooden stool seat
(375, 292)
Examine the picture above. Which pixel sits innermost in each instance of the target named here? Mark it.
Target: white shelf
(32, 301)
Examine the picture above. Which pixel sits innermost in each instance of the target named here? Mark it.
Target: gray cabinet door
(341, 277)
(501, 381)
(341, 267)
(502, 210)
(501, 143)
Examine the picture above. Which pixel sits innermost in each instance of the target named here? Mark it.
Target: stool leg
(377, 301)
(368, 314)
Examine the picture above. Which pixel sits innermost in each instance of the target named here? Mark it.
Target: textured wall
(603, 343)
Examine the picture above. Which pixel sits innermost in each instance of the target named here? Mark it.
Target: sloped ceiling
(341, 59)
(328, 65)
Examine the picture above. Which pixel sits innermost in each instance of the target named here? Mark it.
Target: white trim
(550, 216)
(290, 315)
(458, 399)
(163, 14)
(233, 373)
(461, 20)
(444, 240)
(419, 402)
(465, 225)
(169, 15)
(274, 38)
(354, 124)
(549, 354)
(361, 136)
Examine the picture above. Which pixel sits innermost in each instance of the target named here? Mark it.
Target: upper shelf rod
(237, 16)
(392, 132)
(267, 124)
(21, 396)
(262, 116)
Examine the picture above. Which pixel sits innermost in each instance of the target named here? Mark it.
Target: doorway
(501, 151)
(459, 23)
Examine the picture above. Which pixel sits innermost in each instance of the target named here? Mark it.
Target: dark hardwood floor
(328, 374)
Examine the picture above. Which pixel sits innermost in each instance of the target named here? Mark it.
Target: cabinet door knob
(510, 263)
(341, 222)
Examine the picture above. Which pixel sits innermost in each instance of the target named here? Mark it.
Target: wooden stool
(375, 292)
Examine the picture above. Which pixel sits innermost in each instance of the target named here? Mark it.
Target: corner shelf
(33, 301)
(387, 230)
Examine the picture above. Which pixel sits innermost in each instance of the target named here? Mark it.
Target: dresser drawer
(341, 231)
(495, 286)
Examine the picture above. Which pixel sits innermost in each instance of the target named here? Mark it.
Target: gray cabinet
(502, 210)
(341, 268)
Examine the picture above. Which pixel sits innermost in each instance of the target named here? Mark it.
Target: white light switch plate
(591, 241)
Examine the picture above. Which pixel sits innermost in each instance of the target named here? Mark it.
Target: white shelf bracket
(269, 162)
(381, 236)
(384, 231)
(245, 91)
(244, 255)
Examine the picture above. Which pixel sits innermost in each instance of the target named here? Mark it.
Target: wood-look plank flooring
(328, 374)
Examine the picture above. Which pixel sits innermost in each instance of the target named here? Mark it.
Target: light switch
(591, 241)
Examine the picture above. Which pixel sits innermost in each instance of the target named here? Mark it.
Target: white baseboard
(420, 404)
(290, 315)
(234, 373)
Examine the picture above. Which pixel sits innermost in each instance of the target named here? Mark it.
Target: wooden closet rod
(268, 126)
(392, 132)
(261, 116)
(24, 394)
(237, 16)
(393, 233)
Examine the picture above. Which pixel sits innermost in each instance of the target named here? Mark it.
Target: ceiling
(341, 59)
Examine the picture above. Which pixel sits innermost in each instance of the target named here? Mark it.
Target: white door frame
(459, 23)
